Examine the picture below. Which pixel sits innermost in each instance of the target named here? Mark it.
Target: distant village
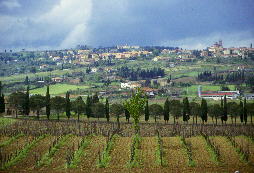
(102, 60)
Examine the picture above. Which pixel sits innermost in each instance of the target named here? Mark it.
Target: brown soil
(90, 160)
(29, 162)
(228, 155)
(173, 153)
(120, 154)
(18, 144)
(200, 154)
(148, 149)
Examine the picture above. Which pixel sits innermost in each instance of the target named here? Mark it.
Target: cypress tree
(225, 110)
(88, 107)
(2, 104)
(47, 103)
(95, 98)
(27, 102)
(204, 110)
(107, 110)
(241, 111)
(127, 115)
(146, 111)
(186, 109)
(68, 105)
(166, 111)
(245, 112)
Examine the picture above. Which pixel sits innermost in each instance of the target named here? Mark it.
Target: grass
(79, 153)
(58, 89)
(7, 142)
(212, 150)
(105, 158)
(159, 152)
(21, 77)
(135, 160)
(187, 149)
(6, 121)
(47, 158)
(22, 154)
(193, 89)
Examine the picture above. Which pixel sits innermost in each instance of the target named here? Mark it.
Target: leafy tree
(176, 109)
(37, 102)
(47, 99)
(166, 111)
(107, 110)
(250, 110)
(17, 101)
(58, 104)
(194, 111)
(156, 110)
(27, 102)
(186, 109)
(98, 110)
(68, 105)
(204, 110)
(245, 111)
(215, 111)
(78, 106)
(233, 110)
(88, 107)
(127, 115)
(117, 109)
(135, 105)
(146, 111)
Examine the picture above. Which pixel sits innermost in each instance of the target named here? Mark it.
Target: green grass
(135, 160)
(79, 153)
(7, 142)
(48, 157)
(58, 89)
(187, 150)
(212, 150)
(22, 154)
(105, 156)
(193, 89)
(21, 77)
(6, 121)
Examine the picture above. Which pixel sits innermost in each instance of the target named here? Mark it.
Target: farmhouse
(217, 95)
(130, 85)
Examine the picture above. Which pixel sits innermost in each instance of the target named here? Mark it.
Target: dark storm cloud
(65, 23)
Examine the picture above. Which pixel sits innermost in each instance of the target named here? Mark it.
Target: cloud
(230, 39)
(64, 25)
(10, 4)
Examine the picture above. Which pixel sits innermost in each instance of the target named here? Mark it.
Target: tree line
(135, 74)
(92, 107)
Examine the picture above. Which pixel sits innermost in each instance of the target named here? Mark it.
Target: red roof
(218, 94)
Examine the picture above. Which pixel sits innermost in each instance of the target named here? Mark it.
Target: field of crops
(46, 153)
(70, 146)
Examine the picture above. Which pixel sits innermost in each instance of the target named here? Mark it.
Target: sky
(189, 24)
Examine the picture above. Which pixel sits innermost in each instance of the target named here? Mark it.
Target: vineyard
(44, 146)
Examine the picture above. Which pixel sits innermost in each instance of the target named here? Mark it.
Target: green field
(193, 90)
(21, 77)
(58, 89)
